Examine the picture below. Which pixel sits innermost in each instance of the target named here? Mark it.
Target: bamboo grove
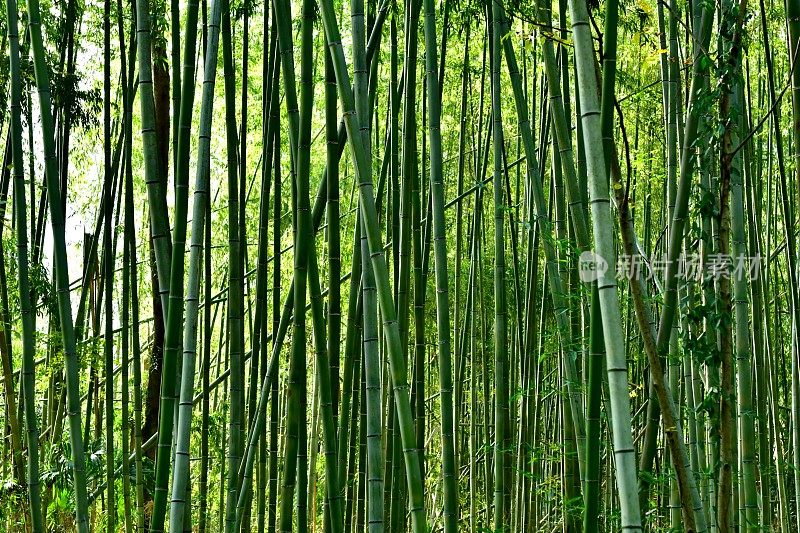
(452, 265)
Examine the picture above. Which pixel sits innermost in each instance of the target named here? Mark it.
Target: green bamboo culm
(793, 20)
(25, 304)
(408, 175)
(295, 466)
(180, 477)
(127, 60)
(501, 518)
(108, 274)
(261, 335)
(449, 479)
(624, 452)
(371, 360)
(175, 311)
(130, 245)
(372, 390)
(591, 487)
(156, 197)
(61, 269)
(544, 222)
(235, 277)
(385, 298)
